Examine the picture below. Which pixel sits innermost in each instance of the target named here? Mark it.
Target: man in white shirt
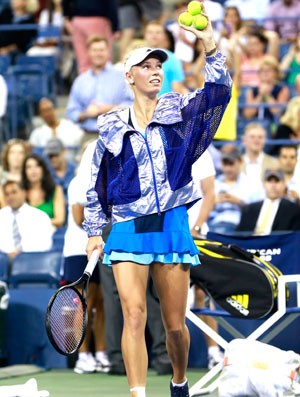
(255, 161)
(66, 130)
(22, 228)
(288, 157)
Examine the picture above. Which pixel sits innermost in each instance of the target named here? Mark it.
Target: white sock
(100, 355)
(140, 391)
(179, 384)
(84, 355)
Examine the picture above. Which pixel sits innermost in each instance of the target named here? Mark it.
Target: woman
(51, 16)
(269, 91)
(141, 179)
(290, 65)
(17, 12)
(41, 190)
(289, 124)
(13, 156)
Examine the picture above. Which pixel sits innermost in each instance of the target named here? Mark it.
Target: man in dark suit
(274, 213)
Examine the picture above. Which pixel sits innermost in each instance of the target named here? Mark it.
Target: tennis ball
(194, 8)
(199, 22)
(185, 18)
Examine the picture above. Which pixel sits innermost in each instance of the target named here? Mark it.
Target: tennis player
(141, 180)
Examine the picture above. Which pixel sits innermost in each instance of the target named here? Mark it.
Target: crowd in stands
(252, 170)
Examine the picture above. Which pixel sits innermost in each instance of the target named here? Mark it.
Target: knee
(135, 319)
(175, 335)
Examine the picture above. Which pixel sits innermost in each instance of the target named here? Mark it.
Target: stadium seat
(4, 264)
(5, 62)
(36, 268)
(276, 249)
(47, 63)
(58, 239)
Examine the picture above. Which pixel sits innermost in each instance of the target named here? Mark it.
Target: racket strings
(67, 320)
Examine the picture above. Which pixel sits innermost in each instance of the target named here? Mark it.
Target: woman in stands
(290, 65)
(268, 91)
(289, 124)
(252, 44)
(41, 190)
(13, 155)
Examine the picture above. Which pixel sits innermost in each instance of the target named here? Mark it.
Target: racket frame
(84, 281)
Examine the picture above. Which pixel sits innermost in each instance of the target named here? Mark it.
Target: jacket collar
(114, 125)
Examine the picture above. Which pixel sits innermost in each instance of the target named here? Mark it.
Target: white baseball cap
(140, 54)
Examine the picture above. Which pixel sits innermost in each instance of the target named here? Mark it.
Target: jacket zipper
(153, 175)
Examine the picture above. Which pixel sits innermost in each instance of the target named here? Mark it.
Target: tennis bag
(240, 282)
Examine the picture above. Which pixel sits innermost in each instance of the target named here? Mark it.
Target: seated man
(54, 127)
(274, 213)
(22, 228)
(232, 192)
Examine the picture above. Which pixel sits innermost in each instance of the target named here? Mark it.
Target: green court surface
(65, 383)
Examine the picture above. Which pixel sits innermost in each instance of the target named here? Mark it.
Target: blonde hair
(291, 114)
(254, 126)
(271, 62)
(32, 6)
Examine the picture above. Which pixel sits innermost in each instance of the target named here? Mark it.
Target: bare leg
(172, 282)
(98, 325)
(200, 302)
(131, 280)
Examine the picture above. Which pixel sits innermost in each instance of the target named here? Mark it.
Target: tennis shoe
(85, 365)
(102, 363)
(180, 391)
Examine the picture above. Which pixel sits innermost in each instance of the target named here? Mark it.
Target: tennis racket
(66, 315)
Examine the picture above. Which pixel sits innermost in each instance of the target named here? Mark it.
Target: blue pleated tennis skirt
(152, 238)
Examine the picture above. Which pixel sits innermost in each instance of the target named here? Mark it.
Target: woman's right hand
(94, 243)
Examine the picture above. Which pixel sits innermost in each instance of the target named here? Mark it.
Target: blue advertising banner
(282, 250)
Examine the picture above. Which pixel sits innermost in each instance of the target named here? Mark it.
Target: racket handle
(92, 262)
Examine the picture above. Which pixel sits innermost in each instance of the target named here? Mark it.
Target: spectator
(65, 130)
(255, 161)
(22, 227)
(252, 53)
(184, 40)
(75, 261)
(283, 17)
(133, 14)
(288, 156)
(232, 192)
(249, 9)
(41, 190)
(98, 90)
(290, 66)
(63, 170)
(273, 214)
(230, 32)
(269, 91)
(203, 173)
(155, 36)
(13, 155)
(14, 41)
(51, 16)
(86, 18)
(289, 123)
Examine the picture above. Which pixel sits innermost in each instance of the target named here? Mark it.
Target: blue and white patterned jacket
(133, 175)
